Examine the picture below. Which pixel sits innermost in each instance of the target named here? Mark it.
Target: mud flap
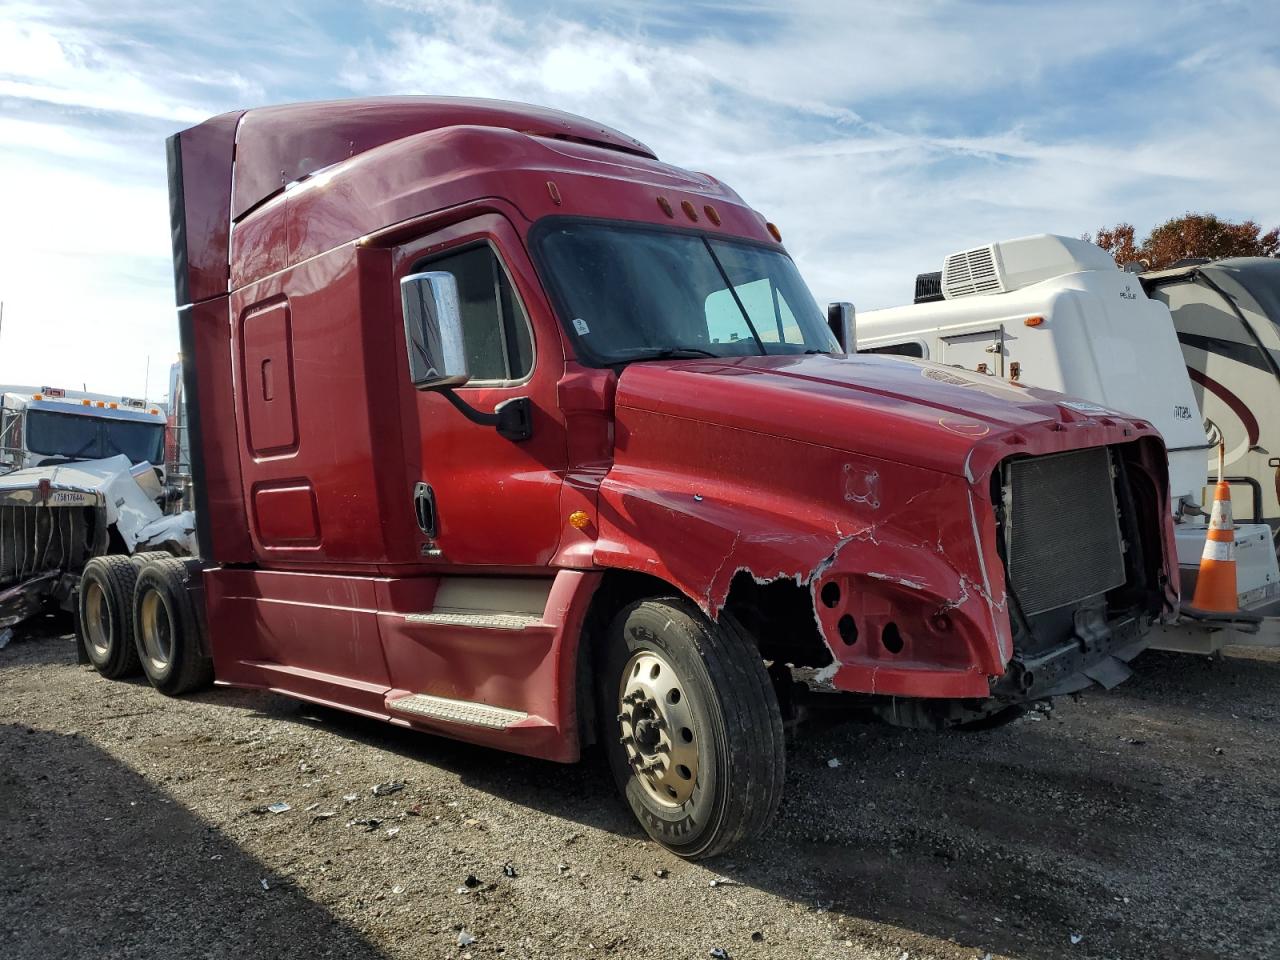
(1108, 672)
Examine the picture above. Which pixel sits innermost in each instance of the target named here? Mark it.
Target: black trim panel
(195, 430)
(178, 221)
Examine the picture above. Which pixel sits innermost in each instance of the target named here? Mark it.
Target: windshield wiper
(668, 353)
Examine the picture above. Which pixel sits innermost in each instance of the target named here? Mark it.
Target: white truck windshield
(630, 292)
(80, 437)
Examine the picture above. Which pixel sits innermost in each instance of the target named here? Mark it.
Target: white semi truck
(44, 426)
(1056, 312)
(81, 475)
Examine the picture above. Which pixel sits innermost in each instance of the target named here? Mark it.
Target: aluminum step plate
(457, 711)
(483, 621)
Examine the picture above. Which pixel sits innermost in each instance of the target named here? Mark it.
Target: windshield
(137, 440)
(634, 292)
(77, 437)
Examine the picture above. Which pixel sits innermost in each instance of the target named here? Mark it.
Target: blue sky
(879, 136)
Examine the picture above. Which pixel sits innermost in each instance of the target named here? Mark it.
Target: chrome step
(483, 621)
(457, 711)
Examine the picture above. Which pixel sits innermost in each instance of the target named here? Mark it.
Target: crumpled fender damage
(889, 552)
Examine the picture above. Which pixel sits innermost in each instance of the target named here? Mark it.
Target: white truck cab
(48, 425)
(1056, 312)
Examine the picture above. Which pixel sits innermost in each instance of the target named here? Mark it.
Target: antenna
(146, 384)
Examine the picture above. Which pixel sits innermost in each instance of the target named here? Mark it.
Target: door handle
(424, 508)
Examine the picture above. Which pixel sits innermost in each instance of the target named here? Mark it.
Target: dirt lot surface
(1140, 823)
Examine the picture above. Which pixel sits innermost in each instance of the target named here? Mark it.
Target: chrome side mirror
(840, 318)
(433, 330)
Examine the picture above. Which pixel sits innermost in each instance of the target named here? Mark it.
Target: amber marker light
(113, 405)
(86, 403)
(37, 396)
(774, 231)
(689, 211)
(579, 520)
(554, 192)
(1033, 321)
(665, 204)
(712, 214)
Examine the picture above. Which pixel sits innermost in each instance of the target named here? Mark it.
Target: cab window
(495, 328)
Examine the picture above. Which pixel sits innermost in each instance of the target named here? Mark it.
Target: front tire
(691, 726)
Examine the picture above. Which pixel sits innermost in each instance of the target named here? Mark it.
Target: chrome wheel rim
(157, 631)
(658, 731)
(97, 620)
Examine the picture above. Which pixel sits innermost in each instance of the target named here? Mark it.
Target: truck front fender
(898, 613)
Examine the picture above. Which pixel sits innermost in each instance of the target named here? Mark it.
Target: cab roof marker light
(774, 231)
(689, 210)
(712, 214)
(665, 204)
(1033, 321)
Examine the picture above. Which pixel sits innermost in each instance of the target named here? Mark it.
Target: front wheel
(692, 727)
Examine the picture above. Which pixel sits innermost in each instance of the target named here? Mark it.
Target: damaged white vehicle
(54, 518)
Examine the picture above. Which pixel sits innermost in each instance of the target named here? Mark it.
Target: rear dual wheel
(167, 629)
(104, 616)
(692, 727)
(138, 614)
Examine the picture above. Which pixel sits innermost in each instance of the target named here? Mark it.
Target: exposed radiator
(1062, 529)
(40, 539)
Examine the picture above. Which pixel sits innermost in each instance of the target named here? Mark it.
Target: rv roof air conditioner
(1014, 264)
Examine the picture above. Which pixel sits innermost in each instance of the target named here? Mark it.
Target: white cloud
(878, 136)
(778, 112)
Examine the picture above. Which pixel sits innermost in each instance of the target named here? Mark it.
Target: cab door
(480, 498)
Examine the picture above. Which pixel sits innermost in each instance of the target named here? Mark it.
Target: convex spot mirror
(433, 330)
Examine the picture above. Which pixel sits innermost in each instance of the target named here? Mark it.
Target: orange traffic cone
(1216, 584)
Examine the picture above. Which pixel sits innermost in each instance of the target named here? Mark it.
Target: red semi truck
(502, 429)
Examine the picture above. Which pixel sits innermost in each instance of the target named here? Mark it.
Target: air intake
(972, 272)
(929, 287)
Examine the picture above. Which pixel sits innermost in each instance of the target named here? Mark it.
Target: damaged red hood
(909, 411)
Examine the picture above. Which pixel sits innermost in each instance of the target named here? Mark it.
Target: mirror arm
(512, 418)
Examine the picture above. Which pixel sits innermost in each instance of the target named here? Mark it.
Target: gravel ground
(1140, 823)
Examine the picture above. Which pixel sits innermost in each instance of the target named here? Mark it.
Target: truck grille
(37, 539)
(1062, 531)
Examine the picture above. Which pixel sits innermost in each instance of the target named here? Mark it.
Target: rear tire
(140, 560)
(691, 726)
(167, 629)
(105, 616)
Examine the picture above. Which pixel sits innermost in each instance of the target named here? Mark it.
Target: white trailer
(1227, 314)
(1056, 312)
